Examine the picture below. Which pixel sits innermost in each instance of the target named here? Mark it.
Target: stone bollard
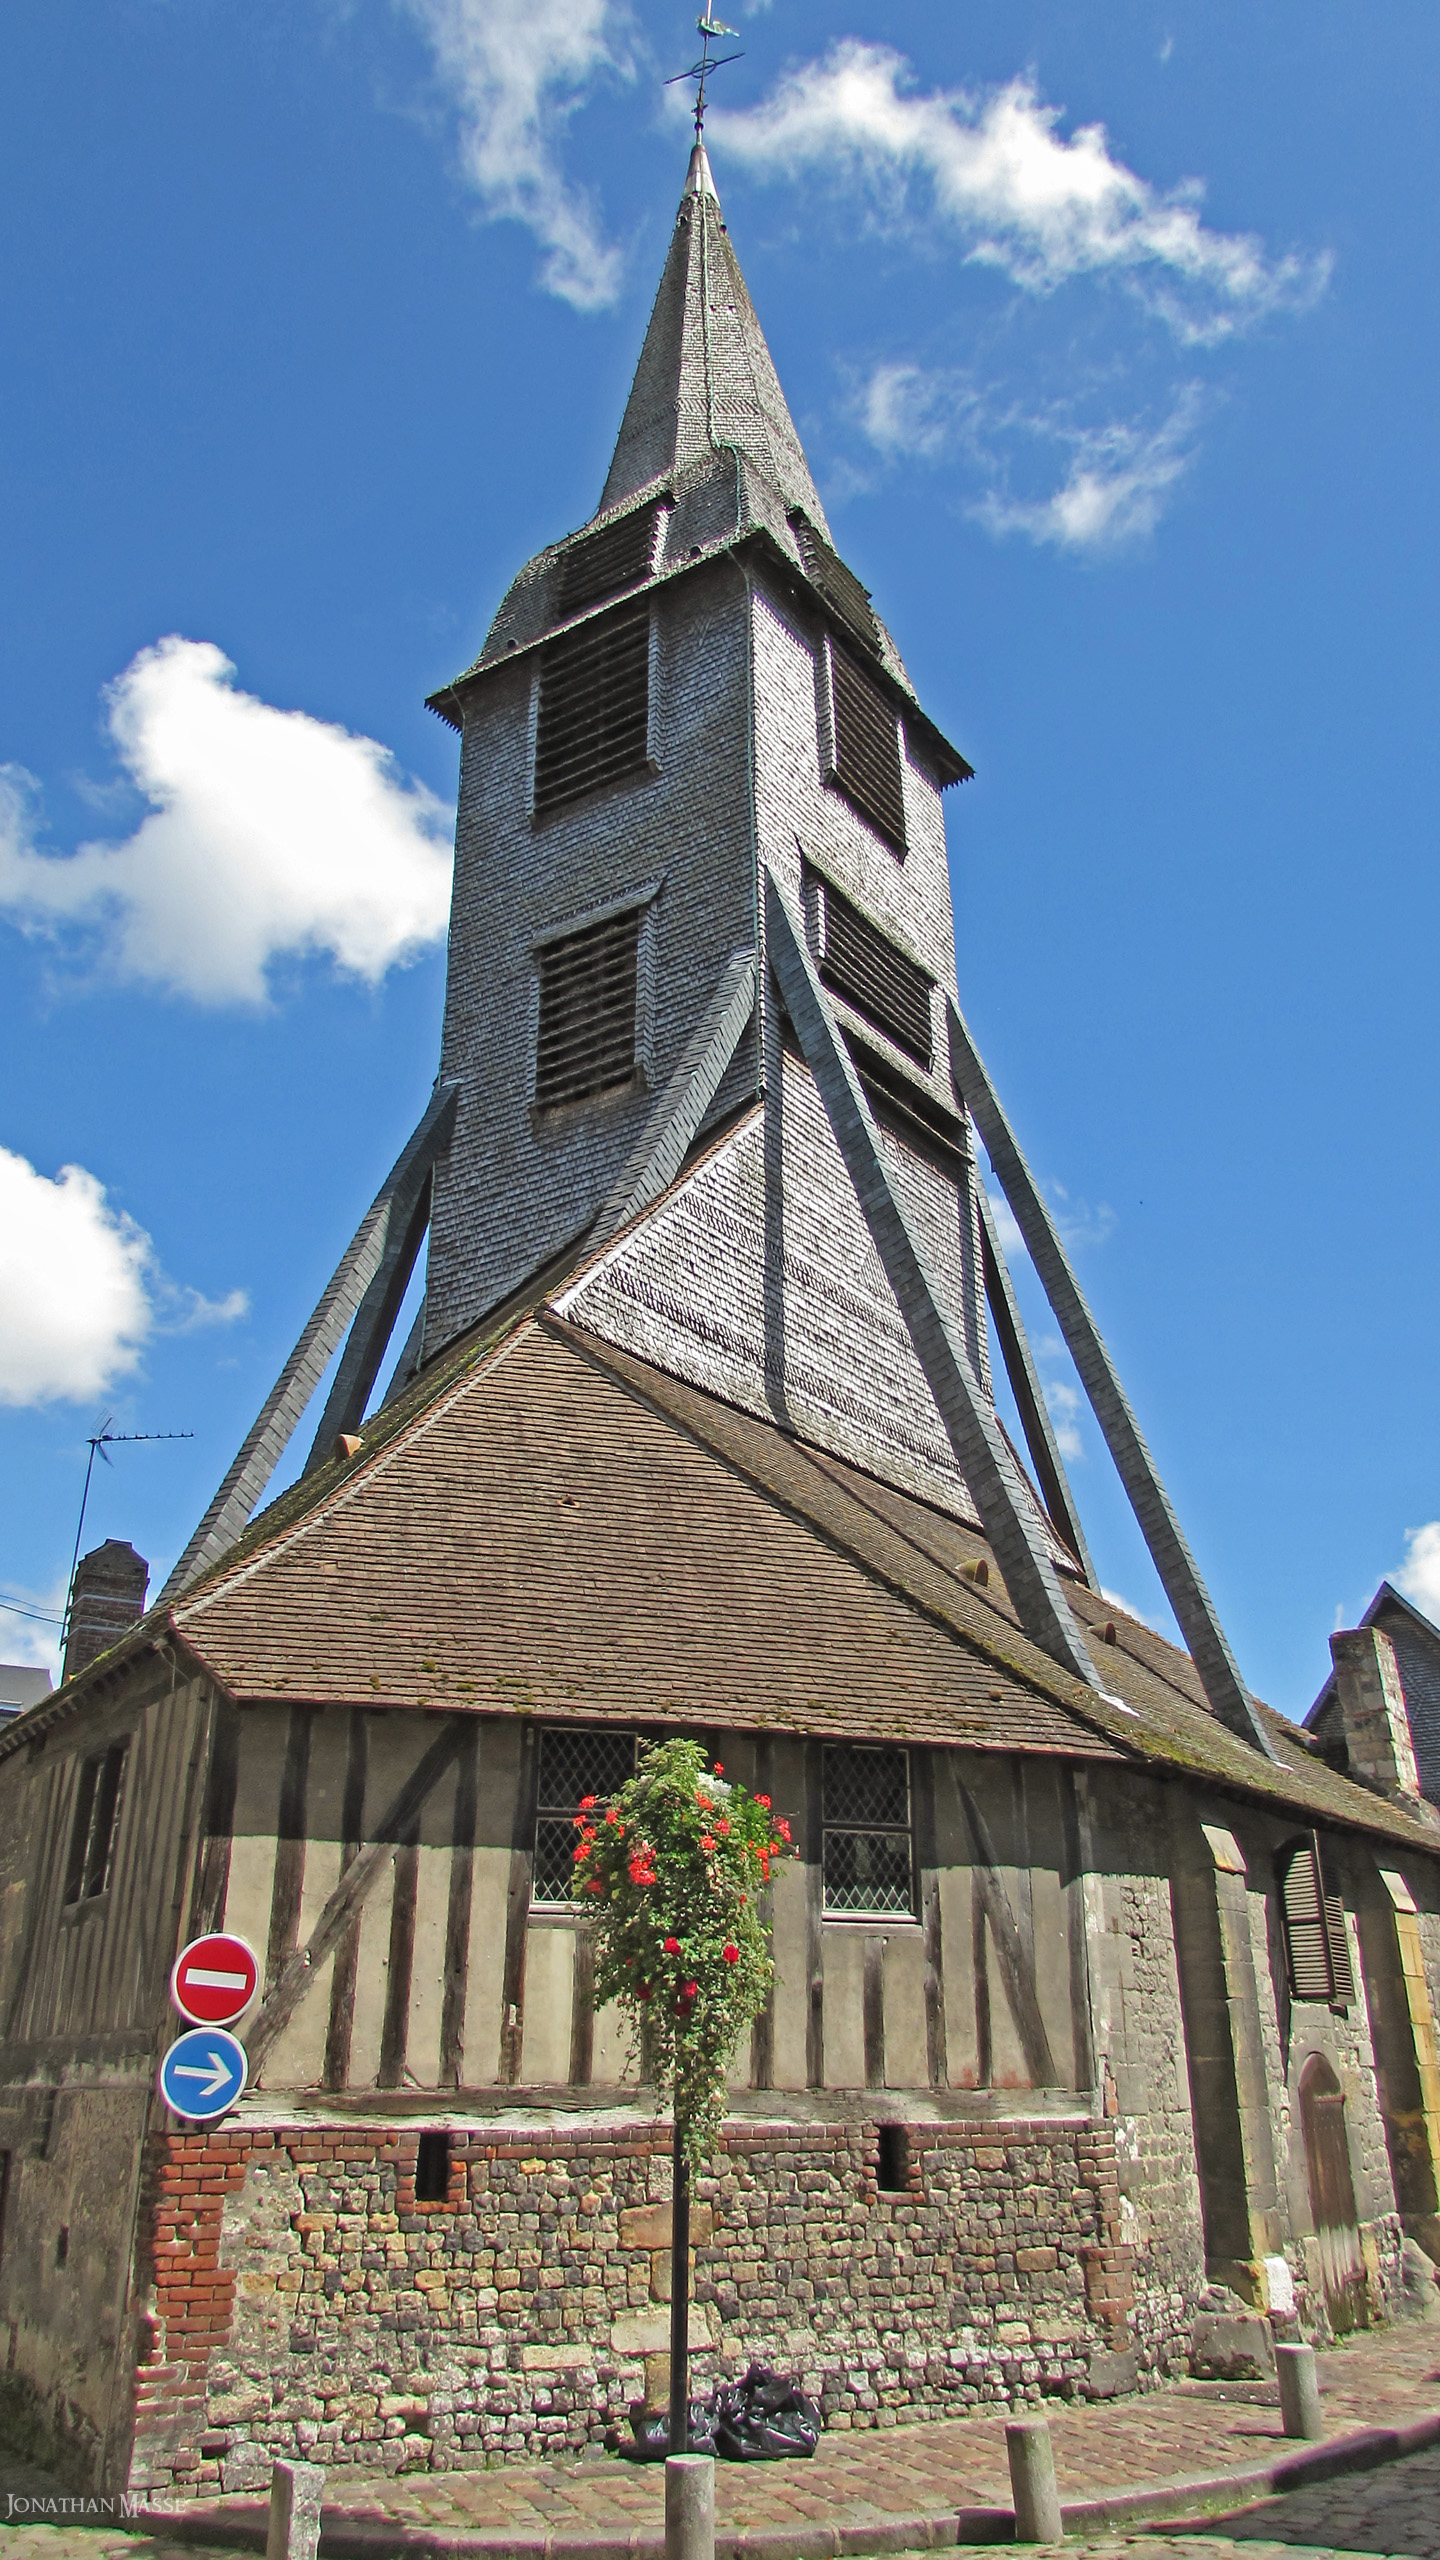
(296, 2489)
(1300, 2410)
(1032, 2481)
(689, 2507)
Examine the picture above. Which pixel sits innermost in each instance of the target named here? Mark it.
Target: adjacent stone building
(1099, 1987)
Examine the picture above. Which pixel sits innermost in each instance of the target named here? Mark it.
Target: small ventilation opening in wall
(62, 2244)
(432, 2169)
(892, 2175)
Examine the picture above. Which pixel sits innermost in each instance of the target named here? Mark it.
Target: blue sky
(1111, 334)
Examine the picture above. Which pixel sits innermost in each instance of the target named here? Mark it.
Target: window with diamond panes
(574, 1762)
(869, 1862)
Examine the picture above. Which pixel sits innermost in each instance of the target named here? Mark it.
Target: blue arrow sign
(203, 2073)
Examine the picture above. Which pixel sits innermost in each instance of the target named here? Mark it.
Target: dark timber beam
(1028, 1392)
(353, 1891)
(975, 1435)
(269, 1435)
(660, 1151)
(1163, 1535)
(375, 1319)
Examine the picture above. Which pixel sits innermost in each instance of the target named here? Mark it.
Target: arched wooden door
(1332, 2196)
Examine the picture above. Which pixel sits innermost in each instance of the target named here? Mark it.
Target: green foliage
(673, 1869)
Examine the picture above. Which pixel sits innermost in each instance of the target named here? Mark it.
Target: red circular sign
(214, 1980)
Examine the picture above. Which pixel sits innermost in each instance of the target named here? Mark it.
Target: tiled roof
(545, 1525)
(546, 1539)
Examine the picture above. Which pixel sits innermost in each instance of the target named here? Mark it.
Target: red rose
(706, 1843)
(587, 1801)
(724, 1829)
(692, 1990)
(582, 1852)
(672, 1946)
(719, 1768)
(642, 1990)
(765, 1801)
(731, 1954)
(783, 1827)
(596, 1885)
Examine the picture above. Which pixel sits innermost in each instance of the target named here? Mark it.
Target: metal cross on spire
(711, 29)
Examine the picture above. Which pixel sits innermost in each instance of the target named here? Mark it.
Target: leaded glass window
(869, 1853)
(575, 1761)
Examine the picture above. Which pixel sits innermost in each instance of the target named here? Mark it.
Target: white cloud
(270, 836)
(1115, 491)
(1065, 1406)
(81, 1290)
(516, 71)
(1019, 195)
(1121, 474)
(1419, 1576)
(915, 412)
(30, 1626)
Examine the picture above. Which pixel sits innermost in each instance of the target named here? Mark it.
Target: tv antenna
(711, 30)
(100, 1442)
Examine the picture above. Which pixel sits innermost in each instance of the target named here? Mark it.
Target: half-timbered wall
(83, 1978)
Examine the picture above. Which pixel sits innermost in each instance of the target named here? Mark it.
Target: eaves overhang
(450, 701)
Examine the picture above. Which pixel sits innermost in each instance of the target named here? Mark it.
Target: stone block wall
(298, 2300)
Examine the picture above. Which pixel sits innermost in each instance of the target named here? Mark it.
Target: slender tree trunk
(679, 2430)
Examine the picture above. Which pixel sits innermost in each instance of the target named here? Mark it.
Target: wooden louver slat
(888, 988)
(594, 706)
(838, 585)
(606, 563)
(867, 747)
(588, 993)
(1316, 1946)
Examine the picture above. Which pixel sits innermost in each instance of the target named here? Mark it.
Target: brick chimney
(108, 1597)
(1373, 1714)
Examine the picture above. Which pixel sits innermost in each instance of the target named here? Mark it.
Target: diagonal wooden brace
(969, 1419)
(1163, 1535)
(351, 1893)
(660, 1151)
(1028, 1392)
(268, 1437)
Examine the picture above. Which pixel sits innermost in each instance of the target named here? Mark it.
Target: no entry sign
(214, 1980)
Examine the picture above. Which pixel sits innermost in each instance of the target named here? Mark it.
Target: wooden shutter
(588, 994)
(867, 747)
(1316, 1946)
(594, 706)
(889, 988)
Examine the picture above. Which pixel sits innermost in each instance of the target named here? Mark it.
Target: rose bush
(672, 1870)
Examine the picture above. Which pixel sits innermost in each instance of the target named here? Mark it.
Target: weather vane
(711, 28)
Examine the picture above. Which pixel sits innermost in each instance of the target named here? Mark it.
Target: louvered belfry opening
(867, 747)
(838, 585)
(608, 562)
(890, 989)
(588, 1010)
(594, 706)
(1316, 1947)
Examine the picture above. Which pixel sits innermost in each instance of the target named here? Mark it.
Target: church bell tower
(705, 1085)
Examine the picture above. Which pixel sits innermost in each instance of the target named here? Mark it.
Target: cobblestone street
(1181, 2433)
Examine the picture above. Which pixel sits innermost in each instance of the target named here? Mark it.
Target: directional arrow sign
(214, 1980)
(203, 2074)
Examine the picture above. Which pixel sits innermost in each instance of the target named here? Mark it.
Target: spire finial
(711, 29)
